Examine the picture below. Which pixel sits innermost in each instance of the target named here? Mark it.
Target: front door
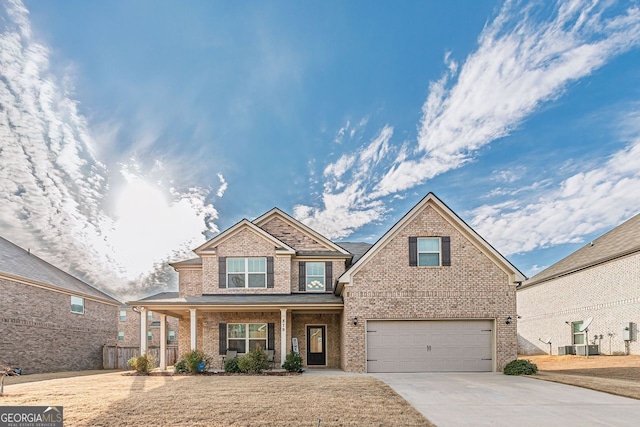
(316, 349)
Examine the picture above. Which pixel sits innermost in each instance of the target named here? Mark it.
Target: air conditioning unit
(593, 350)
(566, 349)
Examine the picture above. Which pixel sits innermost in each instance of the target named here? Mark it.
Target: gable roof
(275, 212)
(357, 249)
(208, 247)
(431, 200)
(621, 241)
(17, 263)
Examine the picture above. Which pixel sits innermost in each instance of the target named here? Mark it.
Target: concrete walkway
(494, 399)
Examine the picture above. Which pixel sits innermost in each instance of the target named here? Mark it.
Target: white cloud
(584, 203)
(55, 193)
(223, 186)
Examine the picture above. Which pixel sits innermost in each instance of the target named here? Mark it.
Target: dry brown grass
(618, 375)
(115, 399)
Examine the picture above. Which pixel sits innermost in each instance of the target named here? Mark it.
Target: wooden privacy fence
(116, 357)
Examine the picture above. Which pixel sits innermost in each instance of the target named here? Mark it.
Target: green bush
(293, 362)
(190, 361)
(231, 365)
(520, 367)
(253, 362)
(143, 364)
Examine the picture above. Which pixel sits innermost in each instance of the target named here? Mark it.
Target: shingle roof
(19, 263)
(187, 263)
(621, 241)
(241, 299)
(356, 248)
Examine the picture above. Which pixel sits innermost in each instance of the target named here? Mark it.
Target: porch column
(143, 331)
(194, 323)
(163, 342)
(283, 335)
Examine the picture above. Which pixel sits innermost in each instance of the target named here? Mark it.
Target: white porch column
(283, 334)
(143, 331)
(163, 342)
(194, 323)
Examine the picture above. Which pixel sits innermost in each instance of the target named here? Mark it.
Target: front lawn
(115, 399)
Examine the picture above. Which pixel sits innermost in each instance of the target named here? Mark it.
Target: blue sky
(129, 131)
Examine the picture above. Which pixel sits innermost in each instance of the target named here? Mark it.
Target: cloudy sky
(131, 131)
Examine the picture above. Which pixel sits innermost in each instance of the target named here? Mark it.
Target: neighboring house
(601, 281)
(129, 328)
(430, 295)
(49, 320)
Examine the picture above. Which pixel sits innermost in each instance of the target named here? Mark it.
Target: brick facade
(39, 333)
(131, 328)
(609, 293)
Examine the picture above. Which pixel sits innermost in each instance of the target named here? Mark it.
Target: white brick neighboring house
(430, 295)
(49, 320)
(600, 281)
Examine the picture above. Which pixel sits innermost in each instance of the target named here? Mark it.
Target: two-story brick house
(430, 295)
(129, 328)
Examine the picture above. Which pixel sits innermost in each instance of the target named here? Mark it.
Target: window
(123, 315)
(149, 336)
(172, 335)
(246, 272)
(244, 337)
(578, 337)
(315, 276)
(77, 305)
(150, 315)
(120, 336)
(429, 251)
(155, 324)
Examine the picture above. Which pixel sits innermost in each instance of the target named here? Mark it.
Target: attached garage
(430, 345)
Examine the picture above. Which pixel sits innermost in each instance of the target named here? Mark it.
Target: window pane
(578, 338)
(257, 343)
(172, 335)
(429, 245)
(258, 330)
(237, 345)
(77, 305)
(120, 336)
(315, 268)
(236, 281)
(429, 260)
(576, 326)
(257, 265)
(237, 330)
(123, 315)
(235, 265)
(257, 280)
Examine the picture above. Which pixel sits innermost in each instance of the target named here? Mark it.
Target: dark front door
(316, 348)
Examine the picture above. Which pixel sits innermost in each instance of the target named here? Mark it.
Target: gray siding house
(600, 281)
(49, 320)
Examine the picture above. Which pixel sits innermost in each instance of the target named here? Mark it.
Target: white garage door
(429, 346)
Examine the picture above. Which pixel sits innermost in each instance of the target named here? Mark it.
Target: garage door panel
(430, 346)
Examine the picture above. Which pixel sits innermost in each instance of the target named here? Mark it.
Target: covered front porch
(308, 323)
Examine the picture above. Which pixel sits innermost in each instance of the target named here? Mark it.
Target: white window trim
(246, 272)
(71, 307)
(324, 275)
(439, 251)
(246, 338)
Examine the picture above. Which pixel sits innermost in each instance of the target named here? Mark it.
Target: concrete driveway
(494, 399)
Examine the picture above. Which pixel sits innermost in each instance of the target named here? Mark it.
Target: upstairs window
(172, 335)
(77, 305)
(120, 336)
(430, 251)
(149, 315)
(123, 315)
(149, 336)
(246, 272)
(315, 276)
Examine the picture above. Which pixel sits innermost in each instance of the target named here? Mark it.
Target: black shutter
(271, 336)
(413, 251)
(269, 272)
(222, 338)
(446, 251)
(328, 276)
(222, 272)
(302, 276)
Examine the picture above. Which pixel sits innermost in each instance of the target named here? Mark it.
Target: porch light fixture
(508, 321)
(355, 321)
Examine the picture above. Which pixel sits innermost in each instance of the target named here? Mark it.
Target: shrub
(143, 364)
(253, 362)
(293, 362)
(520, 367)
(231, 365)
(193, 360)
